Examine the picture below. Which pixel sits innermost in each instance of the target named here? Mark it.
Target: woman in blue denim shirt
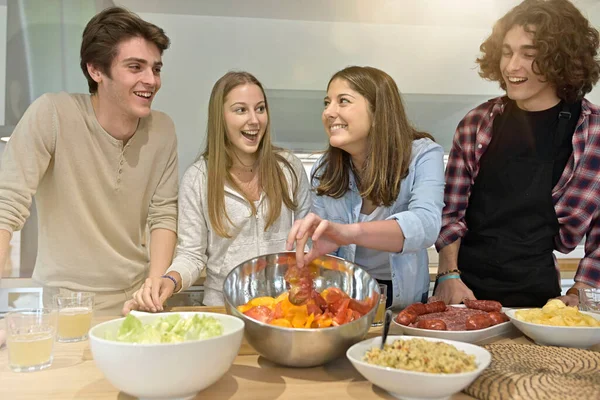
(378, 189)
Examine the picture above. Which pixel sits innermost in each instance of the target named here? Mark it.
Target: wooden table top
(73, 375)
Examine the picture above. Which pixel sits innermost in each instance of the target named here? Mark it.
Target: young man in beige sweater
(103, 168)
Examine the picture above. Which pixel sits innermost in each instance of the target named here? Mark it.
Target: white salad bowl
(404, 384)
(166, 370)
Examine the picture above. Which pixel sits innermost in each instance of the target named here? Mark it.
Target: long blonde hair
(389, 142)
(219, 155)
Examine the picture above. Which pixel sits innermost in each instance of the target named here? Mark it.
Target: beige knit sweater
(95, 196)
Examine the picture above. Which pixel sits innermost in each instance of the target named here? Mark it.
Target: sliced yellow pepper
(281, 322)
(262, 301)
(244, 307)
(283, 296)
(309, 320)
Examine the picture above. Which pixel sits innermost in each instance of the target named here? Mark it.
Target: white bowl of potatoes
(556, 324)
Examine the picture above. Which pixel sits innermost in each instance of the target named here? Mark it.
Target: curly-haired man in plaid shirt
(522, 176)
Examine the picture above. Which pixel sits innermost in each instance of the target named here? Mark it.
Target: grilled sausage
(479, 321)
(406, 318)
(434, 307)
(417, 308)
(483, 305)
(432, 324)
(497, 317)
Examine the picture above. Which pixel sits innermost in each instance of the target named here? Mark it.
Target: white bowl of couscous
(450, 366)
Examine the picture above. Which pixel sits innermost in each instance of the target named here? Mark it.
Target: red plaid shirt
(576, 196)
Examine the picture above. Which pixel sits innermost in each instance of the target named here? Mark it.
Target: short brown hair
(106, 30)
(567, 46)
(390, 141)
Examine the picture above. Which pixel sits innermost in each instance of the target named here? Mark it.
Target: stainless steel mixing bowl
(264, 276)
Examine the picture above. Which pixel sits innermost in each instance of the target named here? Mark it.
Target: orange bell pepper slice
(262, 301)
(284, 323)
(297, 315)
(282, 297)
(244, 307)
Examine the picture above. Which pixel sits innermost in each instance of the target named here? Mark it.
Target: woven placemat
(524, 371)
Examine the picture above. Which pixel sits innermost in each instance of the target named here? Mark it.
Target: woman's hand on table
(453, 291)
(153, 293)
(129, 306)
(326, 237)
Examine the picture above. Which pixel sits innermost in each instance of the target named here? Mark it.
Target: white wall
(300, 54)
(2, 58)
(287, 54)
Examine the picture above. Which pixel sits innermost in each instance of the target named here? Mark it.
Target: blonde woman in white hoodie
(237, 201)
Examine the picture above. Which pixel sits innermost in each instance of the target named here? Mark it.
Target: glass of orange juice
(30, 338)
(75, 312)
(380, 313)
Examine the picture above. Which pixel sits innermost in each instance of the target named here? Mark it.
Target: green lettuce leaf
(170, 329)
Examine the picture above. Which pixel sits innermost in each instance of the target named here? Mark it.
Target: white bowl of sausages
(473, 322)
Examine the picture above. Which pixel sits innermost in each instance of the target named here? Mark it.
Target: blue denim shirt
(418, 211)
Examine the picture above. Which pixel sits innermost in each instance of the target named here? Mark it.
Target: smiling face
(134, 79)
(246, 120)
(347, 118)
(530, 90)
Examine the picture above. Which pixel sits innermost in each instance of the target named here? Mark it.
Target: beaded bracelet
(443, 278)
(452, 271)
(172, 280)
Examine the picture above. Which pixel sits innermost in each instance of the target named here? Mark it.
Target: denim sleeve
(318, 202)
(421, 223)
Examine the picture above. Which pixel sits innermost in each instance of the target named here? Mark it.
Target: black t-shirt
(532, 134)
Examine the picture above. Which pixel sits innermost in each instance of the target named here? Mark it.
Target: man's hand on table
(572, 296)
(452, 291)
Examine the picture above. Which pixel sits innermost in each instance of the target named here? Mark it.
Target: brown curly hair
(567, 46)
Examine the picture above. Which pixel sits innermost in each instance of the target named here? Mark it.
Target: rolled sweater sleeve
(163, 205)
(25, 161)
(422, 221)
(192, 238)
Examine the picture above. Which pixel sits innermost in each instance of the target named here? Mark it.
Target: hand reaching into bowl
(326, 237)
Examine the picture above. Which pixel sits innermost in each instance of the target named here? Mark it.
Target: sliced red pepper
(260, 313)
(362, 307)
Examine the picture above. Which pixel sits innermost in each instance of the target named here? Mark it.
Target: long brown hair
(389, 142)
(566, 45)
(106, 30)
(219, 155)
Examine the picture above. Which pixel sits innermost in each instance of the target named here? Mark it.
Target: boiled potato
(556, 313)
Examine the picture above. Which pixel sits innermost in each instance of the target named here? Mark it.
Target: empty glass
(380, 313)
(75, 312)
(30, 338)
(589, 300)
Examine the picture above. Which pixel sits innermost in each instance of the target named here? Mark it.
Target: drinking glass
(380, 313)
(30, 338)
(75, 312)
(589, 300)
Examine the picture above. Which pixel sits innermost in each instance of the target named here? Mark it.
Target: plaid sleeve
(471, 139)
(589, 266)
(459, 177)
